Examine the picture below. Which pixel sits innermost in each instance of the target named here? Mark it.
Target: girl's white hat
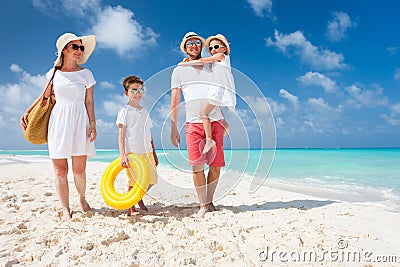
(88, 41)
(188, 36)
(221, 38)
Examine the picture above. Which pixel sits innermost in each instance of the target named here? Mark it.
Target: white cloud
(15, 68)
(297, 44)
(261, 7)
(396, 108)
(338, 26)
(114, 104)
(397, 74)
(292, 98)
(392, 121)
(259, 105)
(321, 118)
(71, 8)
(393, 118)
(116, 29)
(15, 98)
(392, 50)
(315, 78)
(367, 98)
(318, 103)
(279, 122)
(257, 120)
(107, 127)
(107, 85)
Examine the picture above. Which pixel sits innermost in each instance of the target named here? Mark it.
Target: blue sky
(329, 70)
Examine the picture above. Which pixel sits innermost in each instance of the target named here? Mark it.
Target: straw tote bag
(38, 118)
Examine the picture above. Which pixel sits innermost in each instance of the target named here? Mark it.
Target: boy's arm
(154, 152)
(121, 144)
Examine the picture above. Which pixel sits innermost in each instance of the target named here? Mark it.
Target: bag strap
(50, 82)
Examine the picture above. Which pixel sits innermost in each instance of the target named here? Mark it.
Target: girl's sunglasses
(215, 47)
(76, 47)
(137, 91)
(191, 43)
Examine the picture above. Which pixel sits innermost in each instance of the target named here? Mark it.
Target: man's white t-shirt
(137, 124)
(194, 84)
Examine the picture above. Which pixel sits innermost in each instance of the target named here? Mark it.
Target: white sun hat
(89, 42)
(221, 38)
(188, 36)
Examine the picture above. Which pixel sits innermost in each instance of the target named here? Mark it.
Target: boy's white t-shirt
(195, 86)
(137, 124)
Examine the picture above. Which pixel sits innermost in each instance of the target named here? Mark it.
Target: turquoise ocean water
(365, 175)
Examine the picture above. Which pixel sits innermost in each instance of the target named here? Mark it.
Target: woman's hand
(23, 121)
(92, 133)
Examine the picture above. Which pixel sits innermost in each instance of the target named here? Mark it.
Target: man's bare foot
(211, 207)
(131, 211)
(85, 206)
(65, 215)
(200, 213)
(209, 144)
(142, 206)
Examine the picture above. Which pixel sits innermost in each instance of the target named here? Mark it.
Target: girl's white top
(69, 120)
(222, 91)
(137, 124)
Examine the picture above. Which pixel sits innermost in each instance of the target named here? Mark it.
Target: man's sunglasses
(191, 43)
(215, 47)
(76, 47)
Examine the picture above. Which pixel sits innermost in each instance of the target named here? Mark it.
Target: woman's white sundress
(69, 121)
(222, 92)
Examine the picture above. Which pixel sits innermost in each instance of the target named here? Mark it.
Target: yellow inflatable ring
(126, 200)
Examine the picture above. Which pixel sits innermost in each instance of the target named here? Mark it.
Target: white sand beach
(269, 227)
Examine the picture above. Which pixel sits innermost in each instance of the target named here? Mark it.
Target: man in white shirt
(193, 83)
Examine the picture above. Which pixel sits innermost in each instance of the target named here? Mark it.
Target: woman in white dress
(222, 92)
(72, 125)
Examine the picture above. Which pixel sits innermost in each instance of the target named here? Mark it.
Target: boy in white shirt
(134, 136)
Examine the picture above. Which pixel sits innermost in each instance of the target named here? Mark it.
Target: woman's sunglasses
(76, 47)
(191, 43)
(215, 47)
(137, 91)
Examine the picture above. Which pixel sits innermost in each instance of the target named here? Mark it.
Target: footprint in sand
(28, 199)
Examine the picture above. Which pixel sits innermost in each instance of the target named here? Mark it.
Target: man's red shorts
(195, 141)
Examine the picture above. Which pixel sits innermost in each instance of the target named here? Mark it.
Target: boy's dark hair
(130, 80)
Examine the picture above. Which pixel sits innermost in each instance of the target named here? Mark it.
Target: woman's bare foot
(142, 206)
(209, 144)
(211, 207)
(200, 213)
(85, 206)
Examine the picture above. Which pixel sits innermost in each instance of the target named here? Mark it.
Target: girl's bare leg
(205, 110)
